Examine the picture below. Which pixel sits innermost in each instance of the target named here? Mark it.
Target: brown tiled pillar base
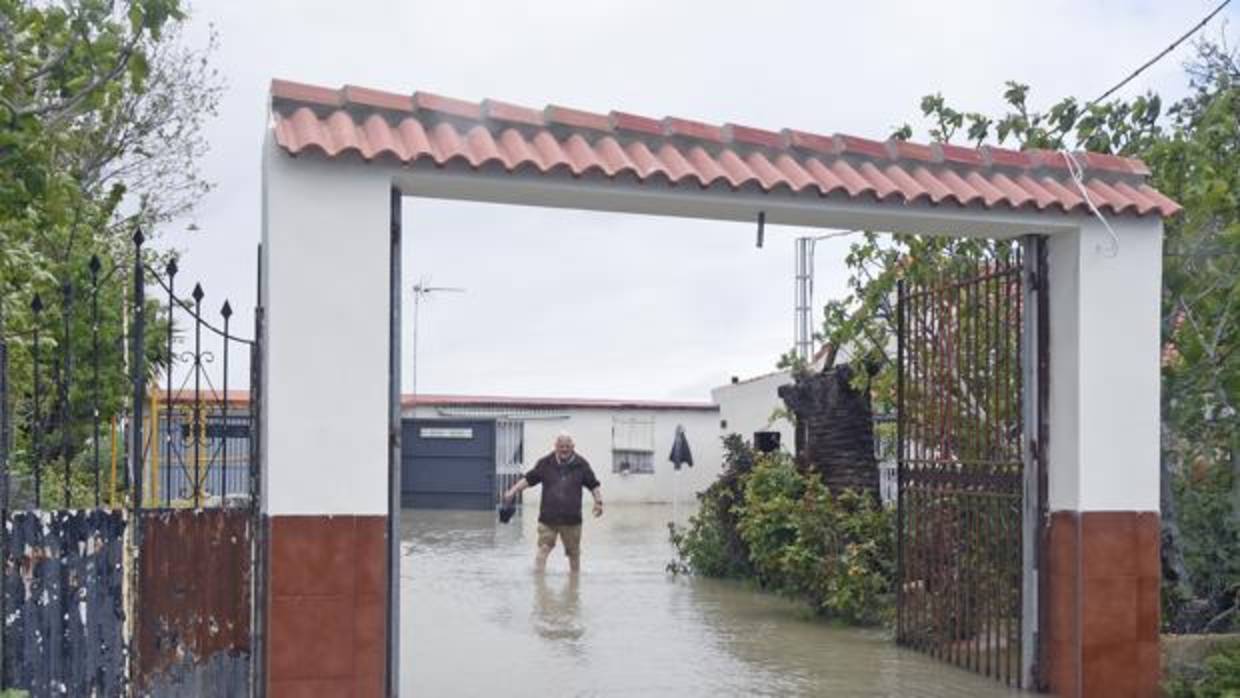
(1102, 604)
(326, 618)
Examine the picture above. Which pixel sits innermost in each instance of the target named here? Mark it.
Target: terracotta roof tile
(623, 121)
(752, 136)
(903, 150)
(447, 105)
(1006, 157)
(852, 145)
(575, 118)
(366, 97)
(425, 128)
(685, 128)
(503, 111)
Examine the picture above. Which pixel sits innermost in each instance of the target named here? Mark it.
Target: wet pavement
(477, 621)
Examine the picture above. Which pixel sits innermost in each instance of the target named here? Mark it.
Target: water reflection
(557, 611)
(477, 620)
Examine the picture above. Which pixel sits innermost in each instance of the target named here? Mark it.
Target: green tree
(101, 108)
(1193, 151)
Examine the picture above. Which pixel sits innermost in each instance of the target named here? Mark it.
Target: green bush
(1218, 678)
(836, 551)
(711, 546)
(766, 520)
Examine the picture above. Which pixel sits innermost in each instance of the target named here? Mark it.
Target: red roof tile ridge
(374, 123)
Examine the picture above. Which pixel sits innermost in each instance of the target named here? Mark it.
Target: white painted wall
(591, 430)
(747, 406)
(1104, 353)
(325, 233)
(325, 287)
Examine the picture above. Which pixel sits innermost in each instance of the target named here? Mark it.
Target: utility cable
(1197, 27)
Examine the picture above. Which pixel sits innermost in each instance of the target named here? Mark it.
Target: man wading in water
(563, 474)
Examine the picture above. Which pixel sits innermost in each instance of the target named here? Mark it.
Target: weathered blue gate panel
(448, 463)
(64, 603)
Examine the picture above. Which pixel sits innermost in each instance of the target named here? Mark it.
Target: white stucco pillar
(1101, 558)
(326, 248)
(326, 284)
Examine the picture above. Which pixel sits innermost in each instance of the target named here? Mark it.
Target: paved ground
(476, 621)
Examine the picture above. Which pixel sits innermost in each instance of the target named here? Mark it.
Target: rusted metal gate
(967, 586)
(119, 577)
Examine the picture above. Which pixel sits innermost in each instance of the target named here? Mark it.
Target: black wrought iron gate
(967, 586)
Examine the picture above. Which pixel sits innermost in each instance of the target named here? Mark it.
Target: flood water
(477, 621)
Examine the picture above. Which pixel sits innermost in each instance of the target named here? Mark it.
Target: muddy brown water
(477, 621)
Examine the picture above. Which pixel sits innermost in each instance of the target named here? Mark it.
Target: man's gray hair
(565, 436)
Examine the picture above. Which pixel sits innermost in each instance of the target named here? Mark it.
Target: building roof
(236, 398)
(241, 398)
(423, 400)
(427, 130)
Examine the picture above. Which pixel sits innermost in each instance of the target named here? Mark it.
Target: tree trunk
(836, 422)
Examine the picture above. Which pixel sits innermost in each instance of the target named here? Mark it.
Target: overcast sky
(565, 303)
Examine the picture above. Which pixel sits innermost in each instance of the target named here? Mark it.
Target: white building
(627, 442)
(747, 406)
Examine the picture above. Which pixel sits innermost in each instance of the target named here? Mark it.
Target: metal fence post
(5, 416)
(4, 480)
(95, 266)
(226, 312)
(258, 642)
(137, 370)
(66, 376)
(36, 426)
(172, 304)
(1030, 421)
(394, 448)
(197, 412)
(900, 453)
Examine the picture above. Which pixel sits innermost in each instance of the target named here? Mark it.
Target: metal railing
(69, 435)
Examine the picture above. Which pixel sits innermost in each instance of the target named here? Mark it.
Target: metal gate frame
(971, 357)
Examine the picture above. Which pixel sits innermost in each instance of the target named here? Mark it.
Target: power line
(1160, 56)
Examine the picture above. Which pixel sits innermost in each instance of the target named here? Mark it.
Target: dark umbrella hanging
(681, 455)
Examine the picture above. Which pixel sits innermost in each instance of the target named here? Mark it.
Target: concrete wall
(592, 430)
(326, 248)
(747, 406)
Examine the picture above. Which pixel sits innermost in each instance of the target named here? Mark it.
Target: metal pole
(36, 429)
(413, 350)
(802, 300)
(137, 373)
(1030, 419)
(66, 352)
(392, 687)
(226, 311)
(172, 304)
(258, 645)
(5, 415)
(900, 455)
(94, 343)
(197, 394)
(4, 476)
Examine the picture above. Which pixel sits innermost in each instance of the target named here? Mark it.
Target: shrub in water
(711, 546)
(766, 520)
(837, 551)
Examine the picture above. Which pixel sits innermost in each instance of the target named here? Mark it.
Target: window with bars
(632, 445)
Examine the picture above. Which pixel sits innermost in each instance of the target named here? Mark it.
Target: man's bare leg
(574, 563)
(540, 560)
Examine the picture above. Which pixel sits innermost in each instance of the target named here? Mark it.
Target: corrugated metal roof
(427, 130)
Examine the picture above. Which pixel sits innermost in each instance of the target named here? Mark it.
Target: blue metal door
(448, 463)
